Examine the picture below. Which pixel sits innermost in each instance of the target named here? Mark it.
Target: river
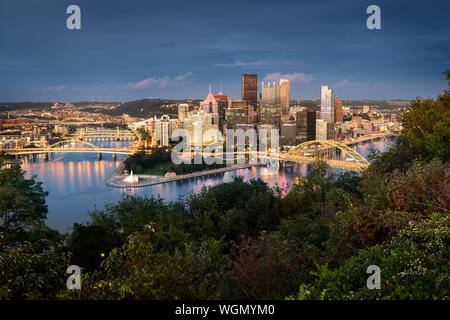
(76, 181)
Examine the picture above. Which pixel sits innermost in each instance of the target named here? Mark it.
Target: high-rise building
(287, 133)
(285, 96)
(183, 110)
(222, 103)
(202, 128)
(209, 105)
(338, 112)
(163, 130)
(321, 129)
(270, 104)
(234, 116)
(306, 126)
(327, 104)
(250, 89)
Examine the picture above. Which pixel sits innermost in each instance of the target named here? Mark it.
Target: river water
(76, 181)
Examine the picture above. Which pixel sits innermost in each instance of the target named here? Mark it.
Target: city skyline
(155, 51)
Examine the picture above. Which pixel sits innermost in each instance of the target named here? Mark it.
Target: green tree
(26, 273)
(90, 245)
(22, 201)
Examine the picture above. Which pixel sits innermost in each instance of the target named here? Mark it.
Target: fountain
(131, 178)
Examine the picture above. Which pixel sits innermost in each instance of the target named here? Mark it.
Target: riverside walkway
(116, 179)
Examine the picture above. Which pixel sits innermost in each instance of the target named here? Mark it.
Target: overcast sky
(136, 49)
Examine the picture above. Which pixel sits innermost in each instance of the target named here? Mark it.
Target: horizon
(188, 99)
(127, 52)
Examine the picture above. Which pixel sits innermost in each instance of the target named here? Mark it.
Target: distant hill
(376, 104)
(147, 107)
(8, 106)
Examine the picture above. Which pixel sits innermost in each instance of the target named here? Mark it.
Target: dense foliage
(160, 158)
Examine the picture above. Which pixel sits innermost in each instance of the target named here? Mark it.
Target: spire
(209, 89)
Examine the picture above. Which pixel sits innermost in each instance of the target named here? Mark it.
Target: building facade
(338, 112)
(270, 104)
(285, 96)
(327, 104)
(250, 89)
(305, 126)
(210, 105)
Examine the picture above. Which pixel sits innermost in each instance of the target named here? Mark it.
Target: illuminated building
(285, 96)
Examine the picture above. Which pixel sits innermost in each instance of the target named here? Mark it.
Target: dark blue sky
(134, 49)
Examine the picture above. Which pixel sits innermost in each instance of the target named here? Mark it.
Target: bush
(28, 274)
(264, 268)
(138, 271)
(424, 188)
(414, 265)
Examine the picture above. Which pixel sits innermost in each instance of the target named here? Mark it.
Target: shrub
(138, 271)
(264, 268)
(414, 265)
(26, 273)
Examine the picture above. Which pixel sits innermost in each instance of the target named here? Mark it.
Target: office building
(222, 103)
(250, 89)
(321, 129)
(285, 96)
(202, 128)
(327, 104)
(163, 129)
(305, 126)
(338, 112)
(235, 116)
(288, 133)
(209, 105)
(183, 110)
(270, 104)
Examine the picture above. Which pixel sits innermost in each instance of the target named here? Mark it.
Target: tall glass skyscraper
(250, 89)
(270, 104)
(285, 92)
(326, 104)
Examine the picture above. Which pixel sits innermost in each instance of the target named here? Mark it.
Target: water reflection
(76, 181)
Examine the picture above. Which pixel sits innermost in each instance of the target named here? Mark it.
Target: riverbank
(116, 180)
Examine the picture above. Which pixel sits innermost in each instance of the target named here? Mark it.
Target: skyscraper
(222, 102)
(183, 110)
(209, 105)
(250, 88)
(338, 113)
(285, 93)
(270, 104)
(306, 126)
(163, 129)
(327, 104)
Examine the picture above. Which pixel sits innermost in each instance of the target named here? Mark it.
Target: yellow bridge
(306, 152)
(73, 146)
(105, 134)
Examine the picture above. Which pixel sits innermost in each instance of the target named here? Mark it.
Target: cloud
(302, 78)
(158, 82)
(183, 77)
(54, 88)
